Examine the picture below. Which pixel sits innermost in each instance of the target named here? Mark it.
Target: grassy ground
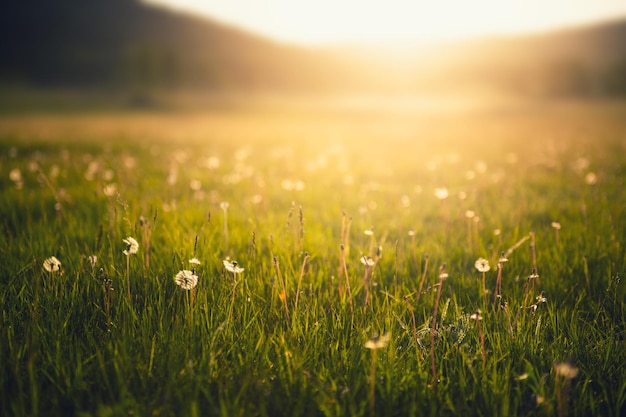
(298, 196)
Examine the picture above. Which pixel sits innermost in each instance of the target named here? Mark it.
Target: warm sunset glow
(331, 21)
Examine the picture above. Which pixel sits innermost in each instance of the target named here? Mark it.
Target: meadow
(315, 260)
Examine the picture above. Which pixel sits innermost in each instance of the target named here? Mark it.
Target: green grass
(292, 178)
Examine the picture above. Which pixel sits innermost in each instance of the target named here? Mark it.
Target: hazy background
(140, 54)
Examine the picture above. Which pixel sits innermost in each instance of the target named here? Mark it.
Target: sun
(398, 21)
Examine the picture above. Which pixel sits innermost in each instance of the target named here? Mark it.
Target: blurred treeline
(128, 46)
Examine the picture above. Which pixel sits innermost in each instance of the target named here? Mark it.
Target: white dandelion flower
(52, 264)
(132, 246)
(186, 279)
(194, 261)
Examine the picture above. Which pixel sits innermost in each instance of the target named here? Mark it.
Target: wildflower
(556, 225)
(469, 214)
(232, 266)
(132, 246)
(367, 261)
(522, 377)
(378, 341)
(186, 279)
(368, 232)
(503, 259)
(93, 259)
(52, 264)
(443, 275)
(224, 205)
(477, 315)
(566, 370)
(482, 265)
(194, 261)
(541, 298)
(441, 193)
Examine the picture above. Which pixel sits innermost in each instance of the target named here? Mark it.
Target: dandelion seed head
(482, 265)
(367, 261)
(232, 266)
(52, 264)
(224, 205)
(16, 175)
(441, 193)
(591, 178)
(194, 261)
(556, 225)
(110, 190)
(368, 232)
(476, 315)
(469, 214)
(132, 246)
(566, 370)
(186, 279)
(378, 341)
(522, 377)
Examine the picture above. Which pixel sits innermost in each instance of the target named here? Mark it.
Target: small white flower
(52, 264)
(132, 246)
(556, 225)
(186, 279)
(194, 261)
(93, 259)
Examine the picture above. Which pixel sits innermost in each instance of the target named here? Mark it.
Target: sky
(316, 22)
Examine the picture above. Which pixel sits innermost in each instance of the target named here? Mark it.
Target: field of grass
(358, 230)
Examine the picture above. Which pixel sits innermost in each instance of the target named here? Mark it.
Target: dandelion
(224, 206)
(374, 343)
(16, 176)
(565, 372)
(367, 278)
(52, 264)
(443, 275)
(441, 193)
(230, 266)
(482, 265)
(556, 226)
(497, 293)
(194, 261)
(132, 247)
(235, 269)
(378, 341)
(591, 178)
(93, 259)
(478, 317)
(186, 279)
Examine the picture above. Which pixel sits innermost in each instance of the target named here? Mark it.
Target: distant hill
(126, 45)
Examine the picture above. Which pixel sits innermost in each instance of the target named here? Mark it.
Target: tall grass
(288, 335)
